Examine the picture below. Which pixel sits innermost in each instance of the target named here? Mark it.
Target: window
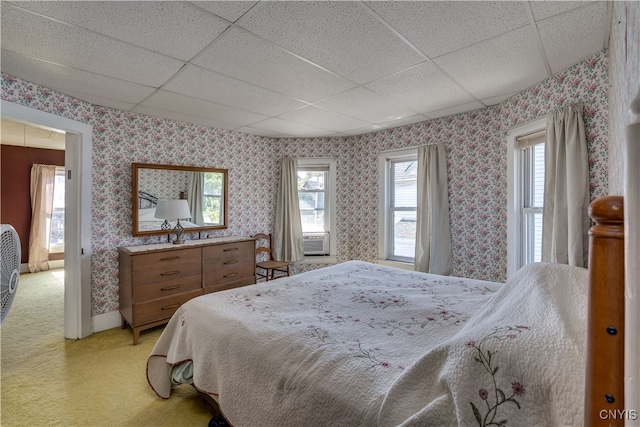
(316, 194)
(212, 198)
(531, 202)
(399, 194)
(56, 235)
(525, 195)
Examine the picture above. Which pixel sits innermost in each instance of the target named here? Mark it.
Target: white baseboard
(105, 321)
(24, 267)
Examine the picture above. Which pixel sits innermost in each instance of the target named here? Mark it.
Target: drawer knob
(235, 261)
(229, 249)
(231, 275)
(169, 258)
(171, 307)
(170, 288)
(170, 273)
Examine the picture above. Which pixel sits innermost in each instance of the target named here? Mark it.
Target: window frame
(516, 225)
(385, 221)
(330, 192)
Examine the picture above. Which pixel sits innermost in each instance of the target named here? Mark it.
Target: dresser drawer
(161, 289)
(228, 265)
(224, 276)
(161, 308)
(244, 249)
(164, 267)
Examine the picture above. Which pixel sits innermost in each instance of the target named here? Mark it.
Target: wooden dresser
(156, 279)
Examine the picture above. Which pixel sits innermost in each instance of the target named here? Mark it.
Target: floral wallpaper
(476, 152)
(476, 145)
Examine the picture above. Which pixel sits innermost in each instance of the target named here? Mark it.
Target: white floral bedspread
(356, 344)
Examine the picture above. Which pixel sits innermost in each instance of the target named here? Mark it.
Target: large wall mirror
(205, 190)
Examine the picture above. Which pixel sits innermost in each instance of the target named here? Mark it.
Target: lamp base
(178, 230)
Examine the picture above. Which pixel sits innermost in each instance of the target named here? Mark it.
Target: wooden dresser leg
(136, 335)
(123, 323)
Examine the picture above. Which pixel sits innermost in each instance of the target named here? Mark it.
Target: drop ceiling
(25, 135)
(297, 69)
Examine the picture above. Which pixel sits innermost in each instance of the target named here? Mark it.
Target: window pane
(312, 180)
(532, 203)
(211, 209)
(312, 220)
(212, 184)
(56, 235)
(537, 176)
(404, 234)
(404, 184)
(311, 200)
(533, 236)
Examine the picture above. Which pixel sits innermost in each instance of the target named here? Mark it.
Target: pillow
(147, 214)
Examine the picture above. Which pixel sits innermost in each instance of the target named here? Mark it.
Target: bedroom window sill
(318, 260)
(396, 264)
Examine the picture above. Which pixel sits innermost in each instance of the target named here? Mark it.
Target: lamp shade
(172, 209)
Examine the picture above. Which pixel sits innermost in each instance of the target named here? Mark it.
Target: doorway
(77, 266)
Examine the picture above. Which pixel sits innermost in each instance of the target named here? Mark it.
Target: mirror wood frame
(135, 169)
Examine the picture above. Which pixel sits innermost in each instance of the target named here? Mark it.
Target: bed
(360, 344)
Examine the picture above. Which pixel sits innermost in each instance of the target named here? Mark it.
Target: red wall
(15, 176)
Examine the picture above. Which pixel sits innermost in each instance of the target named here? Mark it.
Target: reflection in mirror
(203, 188)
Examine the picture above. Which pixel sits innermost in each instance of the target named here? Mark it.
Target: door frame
(78, 167)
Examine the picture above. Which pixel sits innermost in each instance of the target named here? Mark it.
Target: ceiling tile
(24, 135)
(456, 110)
(204, 84)
(494, 100)
(36, 36)
(422, 88)
(366, 105)
(160, 112)
(340, 36)
(368, 129)
(546, 9)
(587, 22)
(406, 121)
(101, 101)
(255, 60)
(287, 128)
(229, 10)
(261, 132)
(65, 79)
(172, 28)
(439, 27)
(504, 64)
(322, 118)
(198, 108)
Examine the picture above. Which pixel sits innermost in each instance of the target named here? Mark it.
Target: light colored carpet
(101, 380)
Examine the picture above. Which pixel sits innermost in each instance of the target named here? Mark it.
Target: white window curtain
(433, 234)
(42, 182)
(287, 234)
(195, 193)
(565, 220)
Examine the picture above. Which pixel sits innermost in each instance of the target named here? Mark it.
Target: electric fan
(9, 268)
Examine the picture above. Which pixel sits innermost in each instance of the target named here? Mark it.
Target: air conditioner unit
(316, 243)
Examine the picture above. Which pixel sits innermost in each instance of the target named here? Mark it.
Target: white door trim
(77, 282)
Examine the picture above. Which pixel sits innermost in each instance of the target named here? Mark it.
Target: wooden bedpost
(604, 387)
